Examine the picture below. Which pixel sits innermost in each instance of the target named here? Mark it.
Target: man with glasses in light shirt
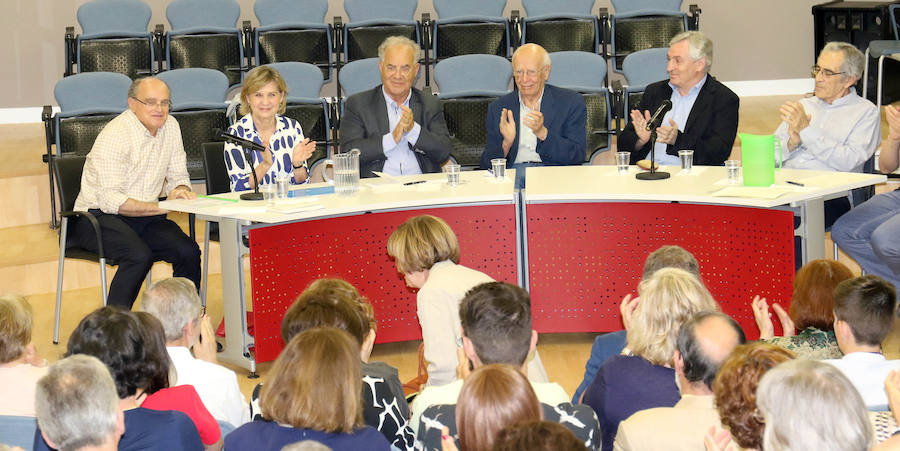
(537, 124)
(835, 129)
(138, 155)
(398, 129)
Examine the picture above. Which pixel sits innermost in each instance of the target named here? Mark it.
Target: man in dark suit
(398, 129)
(704, 114)
(537, 124)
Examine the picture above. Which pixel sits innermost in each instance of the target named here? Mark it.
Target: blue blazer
(565, 117)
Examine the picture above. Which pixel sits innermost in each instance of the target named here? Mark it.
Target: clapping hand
(627, 308)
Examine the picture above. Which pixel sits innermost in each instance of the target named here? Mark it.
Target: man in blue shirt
(704, 114)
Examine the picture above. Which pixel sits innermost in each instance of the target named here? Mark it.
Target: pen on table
(415, 183)
(218, 198)
(795, 183)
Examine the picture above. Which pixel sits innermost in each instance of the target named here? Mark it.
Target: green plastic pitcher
(758, 159)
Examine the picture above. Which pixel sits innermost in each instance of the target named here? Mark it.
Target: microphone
(247, 144)
(657, 117)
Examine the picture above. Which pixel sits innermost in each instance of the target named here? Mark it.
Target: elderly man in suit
(537, 124)
(398, 129)
(704, 114)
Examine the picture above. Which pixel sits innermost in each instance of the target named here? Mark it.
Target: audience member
(314, 392)
(20, 365)
(427, 254)
(704, 114)
(811, 312)
(263, 100)
(612, 343)
(412, 137)
(735, 390)
(864, 315)
(806, 404)
(835, 129)
(537, 124)
(868, 232)
(537, 436)
(492, 398)
(135, 155)
(116, 337)
(306, 445)
(175, 303)
(336, 303)
(645, 379)
(77, 406)
(496, 328)
(703, 343)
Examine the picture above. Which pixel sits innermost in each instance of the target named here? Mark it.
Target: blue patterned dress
(287, 135)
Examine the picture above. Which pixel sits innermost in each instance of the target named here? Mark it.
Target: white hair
(392, 41)
(854, 60)
(174, 301)
(699, 46)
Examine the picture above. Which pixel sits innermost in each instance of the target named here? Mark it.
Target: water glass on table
(282, 186)
(498, 168)
(686, 157)
(623, 159)
(452, 171)
(733, 169)
(269, 192)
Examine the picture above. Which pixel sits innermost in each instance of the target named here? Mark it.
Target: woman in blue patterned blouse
(262, 104)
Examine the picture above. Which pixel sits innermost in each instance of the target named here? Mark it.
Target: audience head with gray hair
(839, 66)
(174, 301)
(77, 405)
(704, 342)
(671, 257)
(808, 404)
(689, 58)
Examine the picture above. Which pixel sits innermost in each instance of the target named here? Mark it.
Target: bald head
(149, 98)
(531, 68)
(704, 342)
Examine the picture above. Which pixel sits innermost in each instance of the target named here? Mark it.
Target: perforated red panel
(584, 257)
(284, 259)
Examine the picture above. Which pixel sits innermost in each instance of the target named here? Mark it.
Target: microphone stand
(653, 174)
(255, 195)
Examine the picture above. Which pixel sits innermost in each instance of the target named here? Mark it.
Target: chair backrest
(458, 8)
(271, 12)
(359, 75)
(67, 173)
(17, 431)
(473, 75)
(111, 16)
(630, 6)
(196, 87)
(536, 8)
(894, 10)
(646, 66)
(93, 92)
(304, 80)
(578, 71)
(187, 14)
(363, 10)
(197, 127)
(215, 169)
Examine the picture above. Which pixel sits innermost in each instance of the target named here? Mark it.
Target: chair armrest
(515, 28)
(94, 223)
(694, 17)
(69, 51)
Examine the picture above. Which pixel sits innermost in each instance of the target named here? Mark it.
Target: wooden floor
(28, 250)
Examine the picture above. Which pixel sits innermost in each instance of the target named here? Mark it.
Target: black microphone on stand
(654, 122)
(247, 147)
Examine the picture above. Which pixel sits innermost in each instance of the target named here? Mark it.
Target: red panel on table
(285, 259)
(584, 257)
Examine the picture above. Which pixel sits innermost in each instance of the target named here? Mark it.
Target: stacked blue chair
(584, 72)
(114, 38)
(644, 24)
(204, 34)
(465, 27)
(304, 82)
(371, 22)
(881, 49)
(468, 84)
(293, 30)
(358, 76)
(642, 68)
(561, 25)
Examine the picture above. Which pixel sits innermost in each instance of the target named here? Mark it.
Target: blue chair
(467, 85)
(372, 22)
(304, 82)
(644, 24)
(642, 68)
(293, 30)
(880, 49)
(114, 38)
(561, 25)
(466, 27)
(358, 76)
(204, 34)
(584, 72)
(18, 431)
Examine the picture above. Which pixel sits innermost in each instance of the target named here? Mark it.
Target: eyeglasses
(162, 104)
(530, 72)
(827, 72)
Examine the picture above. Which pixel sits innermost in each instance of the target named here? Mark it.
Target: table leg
(812, 230)
(237, 340)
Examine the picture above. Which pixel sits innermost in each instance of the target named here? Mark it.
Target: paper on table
(243, 207)
(294, 208)
(430, 185)
(201, 202)
(761, 192)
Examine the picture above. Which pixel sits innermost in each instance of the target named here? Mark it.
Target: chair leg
(878, 87)
(835, 250)
(149, 279)
(103, 287)
(865, 92)
(63, 229)
(205, 257)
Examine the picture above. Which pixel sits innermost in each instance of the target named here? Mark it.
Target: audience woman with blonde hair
(314, 392)
(426, 252)
(811, 312)
(645, 379)
(20, 366)
(263, 100)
